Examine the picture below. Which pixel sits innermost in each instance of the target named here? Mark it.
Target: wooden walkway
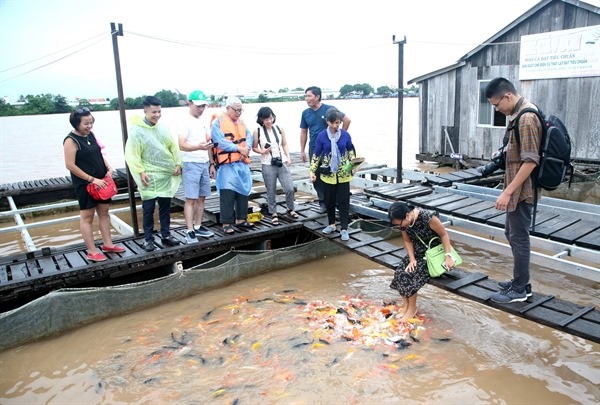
(26, 276)
(578, 227)
(29, 275)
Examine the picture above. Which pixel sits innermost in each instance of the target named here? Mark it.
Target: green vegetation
(57, 104)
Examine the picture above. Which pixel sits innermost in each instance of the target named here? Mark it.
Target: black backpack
(555, 154)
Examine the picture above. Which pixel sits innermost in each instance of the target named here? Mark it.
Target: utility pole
(400, 105)
(114, 32)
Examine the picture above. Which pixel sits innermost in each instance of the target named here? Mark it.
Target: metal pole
(130, 183)
(400, 105)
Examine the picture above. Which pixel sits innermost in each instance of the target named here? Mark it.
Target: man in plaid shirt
(517, 197)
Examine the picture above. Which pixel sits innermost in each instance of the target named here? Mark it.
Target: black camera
(276, 161)
(497, 162)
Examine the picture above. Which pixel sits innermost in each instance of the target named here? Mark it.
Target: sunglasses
(82, 110)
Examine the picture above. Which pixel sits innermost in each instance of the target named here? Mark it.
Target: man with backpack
(517, 198)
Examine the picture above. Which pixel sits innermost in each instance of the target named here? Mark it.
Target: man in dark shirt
(312, 123)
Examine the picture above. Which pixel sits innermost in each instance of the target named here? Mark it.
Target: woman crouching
(411, 274)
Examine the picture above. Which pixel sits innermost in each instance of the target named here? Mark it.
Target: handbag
(436, 258)
(102, 194)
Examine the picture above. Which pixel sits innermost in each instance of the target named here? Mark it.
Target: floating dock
(571, 229)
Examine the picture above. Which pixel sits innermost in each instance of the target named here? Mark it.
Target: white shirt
(275, 148)
(195, 132)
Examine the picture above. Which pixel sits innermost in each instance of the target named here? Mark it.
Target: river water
(272, 339)
(374, 130)
(278, 338)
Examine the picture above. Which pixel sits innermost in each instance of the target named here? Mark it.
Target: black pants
(164, 216)
(337, 194)
(233, 206)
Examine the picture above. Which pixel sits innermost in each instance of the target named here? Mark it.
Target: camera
(497, 162)
(324, 170)
(276, 161)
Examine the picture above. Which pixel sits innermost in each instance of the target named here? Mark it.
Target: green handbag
(436, 258)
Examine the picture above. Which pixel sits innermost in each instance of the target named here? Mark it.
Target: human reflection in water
(412, 274)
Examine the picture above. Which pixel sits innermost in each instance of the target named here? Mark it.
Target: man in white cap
(194, 142)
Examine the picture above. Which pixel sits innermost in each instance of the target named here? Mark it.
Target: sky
(234, 46)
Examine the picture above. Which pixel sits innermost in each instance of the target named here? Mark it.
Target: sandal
(245, 224)
(293, 214)
(274, 219)
(228, 229)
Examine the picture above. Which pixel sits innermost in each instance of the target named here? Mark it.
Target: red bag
(101, 194)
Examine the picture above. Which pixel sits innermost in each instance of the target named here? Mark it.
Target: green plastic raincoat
(152, 150)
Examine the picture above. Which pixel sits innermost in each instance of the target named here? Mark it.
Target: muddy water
(315, 333)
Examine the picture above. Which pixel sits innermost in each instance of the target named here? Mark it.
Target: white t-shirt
(195, 132)
(275, 149)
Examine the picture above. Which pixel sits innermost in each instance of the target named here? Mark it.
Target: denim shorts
(196, 180)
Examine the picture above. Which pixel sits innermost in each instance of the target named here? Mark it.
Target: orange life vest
(234, 132)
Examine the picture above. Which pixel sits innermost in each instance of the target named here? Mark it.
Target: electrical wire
(249, 50)
(53, 53)
(54, 61)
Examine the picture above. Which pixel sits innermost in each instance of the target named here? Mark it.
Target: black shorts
(85, 199)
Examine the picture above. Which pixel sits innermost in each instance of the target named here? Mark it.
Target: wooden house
(552, 55)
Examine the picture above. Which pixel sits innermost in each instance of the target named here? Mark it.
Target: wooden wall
(574, 100)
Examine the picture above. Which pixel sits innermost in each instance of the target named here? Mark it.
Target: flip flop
(274, 219)
(228, 229)
(293, 214)
(245, 224)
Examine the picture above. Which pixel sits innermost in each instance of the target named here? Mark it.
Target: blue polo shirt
(315, 122)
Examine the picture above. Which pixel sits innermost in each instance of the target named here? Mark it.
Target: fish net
(70, 308)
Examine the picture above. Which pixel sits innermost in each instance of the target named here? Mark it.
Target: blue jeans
(516, 230)
(164, 216)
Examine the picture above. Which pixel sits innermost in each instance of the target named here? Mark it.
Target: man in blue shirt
(312, 123)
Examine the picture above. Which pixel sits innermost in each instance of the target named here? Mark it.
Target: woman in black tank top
(84, 160)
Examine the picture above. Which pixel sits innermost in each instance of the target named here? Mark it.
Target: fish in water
(231, 339)
(208, 314)
(184, 340)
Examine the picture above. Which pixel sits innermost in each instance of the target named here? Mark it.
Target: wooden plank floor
(559, 225)
(45, 270)
(547, 310)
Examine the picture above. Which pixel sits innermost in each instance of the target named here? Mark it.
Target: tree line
(57, 104)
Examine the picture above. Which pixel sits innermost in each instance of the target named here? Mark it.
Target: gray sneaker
(345, 235)
(508, 296)
(190, 237)
(204, 232)
(149, 246)
(505, 285)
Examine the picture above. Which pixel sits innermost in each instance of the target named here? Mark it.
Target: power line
(54, 61)
(53, 53)
(251, 50)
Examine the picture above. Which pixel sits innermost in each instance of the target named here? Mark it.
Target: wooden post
(114, 32)
(400, 105)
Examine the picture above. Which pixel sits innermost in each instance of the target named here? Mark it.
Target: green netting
(376, 227)
(69, 308)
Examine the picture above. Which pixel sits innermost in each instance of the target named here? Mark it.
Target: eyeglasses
(237, 110)
(499, 101)
(82, 110)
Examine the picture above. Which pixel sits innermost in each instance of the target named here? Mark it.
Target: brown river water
(315, 333)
